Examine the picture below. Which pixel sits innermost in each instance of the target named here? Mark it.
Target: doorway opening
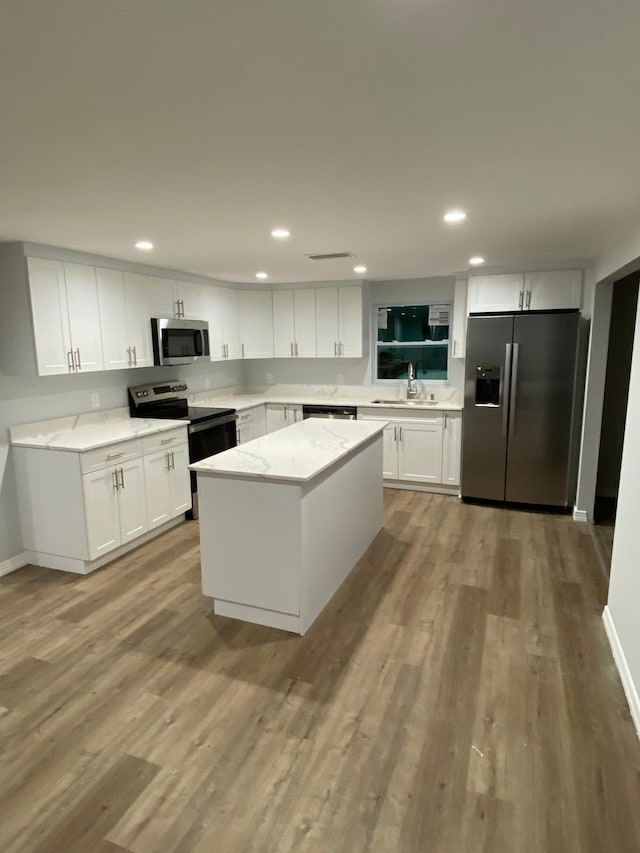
(616, 392)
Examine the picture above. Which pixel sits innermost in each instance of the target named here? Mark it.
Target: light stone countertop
(294, 454)
(88, 431)
(326, 396)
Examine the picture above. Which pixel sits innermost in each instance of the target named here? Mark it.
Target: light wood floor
(457, 695)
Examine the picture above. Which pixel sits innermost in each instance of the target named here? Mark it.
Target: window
(411, 333)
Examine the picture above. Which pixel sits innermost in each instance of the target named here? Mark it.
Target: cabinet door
(256, 323)
(112, 302)
(231, 323)
(304, 305)
(283, 323)
(189, 295)
(276, 417)
(212, 312)
(327, 325)
(545, 291)
(50, 317)
(496, 293)
(451, 448)
(158, 488)
(293, 414)
(420, 452)
(350, 322)
(459, 328)
(161, 296)
(101, 511)
(84, 316)
(138, 320)
(390, 452)
(180, 480)
(132, 499)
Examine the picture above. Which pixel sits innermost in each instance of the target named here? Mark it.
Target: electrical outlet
(269, 378)
(207, 383)
(341, 379)
(95, 400)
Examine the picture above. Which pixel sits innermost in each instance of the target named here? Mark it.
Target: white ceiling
(202, 124)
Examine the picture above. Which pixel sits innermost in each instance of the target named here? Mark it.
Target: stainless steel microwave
(179, 341)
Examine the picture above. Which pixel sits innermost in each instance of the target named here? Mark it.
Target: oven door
(179, 341)
(206, 439)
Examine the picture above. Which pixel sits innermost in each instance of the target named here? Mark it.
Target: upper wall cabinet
(294, 323)
(339, 322)
(220, 308)
(66, 317)
(124, 319)
(255, 308)
(543, 291)
(168, 298)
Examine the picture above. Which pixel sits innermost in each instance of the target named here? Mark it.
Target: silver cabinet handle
(238, 435)
(454, 348)
(182, 307)
(167, 440)
(129, 355)
(173, 461)
(135, 357)
(296, 348)
(70, 362)
(395, 433)
(528, 299)
(341, 349)
(115, 455)
(167, 457)
(291, 347)
(243, 350)
(78, 357)
(122, 478)
(114, 475)
(521, 299)
(335, 349)
(445, 420)
(400, 433)
(226, 350)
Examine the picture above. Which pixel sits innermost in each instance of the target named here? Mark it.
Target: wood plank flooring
(457, 696)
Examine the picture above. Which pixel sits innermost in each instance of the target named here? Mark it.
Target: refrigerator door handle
(505, 388)
(512, 393)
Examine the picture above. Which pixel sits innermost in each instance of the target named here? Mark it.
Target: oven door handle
(200, 427)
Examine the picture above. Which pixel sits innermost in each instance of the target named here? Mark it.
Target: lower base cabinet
(251, 423)
(76, 507)
(420, 449)
(281, 415)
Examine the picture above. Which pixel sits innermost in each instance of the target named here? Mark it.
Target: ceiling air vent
(330, 256)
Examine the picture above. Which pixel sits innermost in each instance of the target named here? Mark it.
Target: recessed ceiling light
(359, 268)
(145, 245)
(476, 260)
(280, 233)
(261, 275)
(455, 216)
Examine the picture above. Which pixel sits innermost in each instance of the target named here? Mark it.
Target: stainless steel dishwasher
(346, 413)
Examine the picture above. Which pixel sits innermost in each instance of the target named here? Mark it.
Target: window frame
(393, 383)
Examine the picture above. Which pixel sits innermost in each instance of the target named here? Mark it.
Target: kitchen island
(284, 519)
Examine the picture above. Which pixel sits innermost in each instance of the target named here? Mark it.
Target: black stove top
(162, 401)
(205, 413)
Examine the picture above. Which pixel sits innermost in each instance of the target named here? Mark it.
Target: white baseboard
(580, 514)
(630, 690)
(13, 563)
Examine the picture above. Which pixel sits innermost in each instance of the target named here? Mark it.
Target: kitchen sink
(407, 402)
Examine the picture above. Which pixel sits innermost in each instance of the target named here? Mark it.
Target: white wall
(624, 588)
(37, 398)
(358, 371)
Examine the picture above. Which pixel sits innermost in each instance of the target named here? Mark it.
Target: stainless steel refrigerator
(520, 408)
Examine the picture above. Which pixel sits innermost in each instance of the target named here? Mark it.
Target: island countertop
(297, 453)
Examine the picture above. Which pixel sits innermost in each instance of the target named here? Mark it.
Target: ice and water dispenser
(488, 385)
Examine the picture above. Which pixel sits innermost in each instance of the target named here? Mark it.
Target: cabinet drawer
(423, 416)
(257, 413)
(164, 440)
(114, 454)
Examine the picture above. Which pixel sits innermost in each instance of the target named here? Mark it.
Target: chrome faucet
(412, 388)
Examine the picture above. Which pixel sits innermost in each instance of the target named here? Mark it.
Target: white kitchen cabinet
(390, 452)
(546, 291)
(496, 293)
(255, 309)
(66, 317)
(114, 499)
(280, 415)
(420, 450)
(124, 320)
(451, 448)
(168, 488)
(188, 299)
(294, 323)
(252, 423)
(458, 332)
(161, 295)
(339, 322)
(220, 308)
